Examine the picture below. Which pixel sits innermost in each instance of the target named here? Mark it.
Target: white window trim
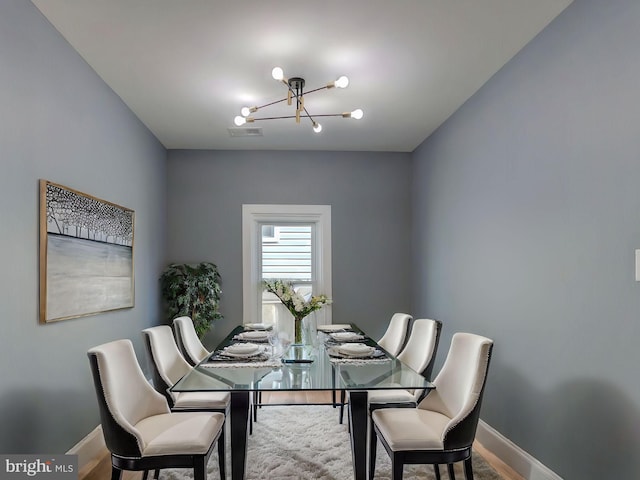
(255, 215)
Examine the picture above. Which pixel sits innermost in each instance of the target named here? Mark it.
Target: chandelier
(295, 90)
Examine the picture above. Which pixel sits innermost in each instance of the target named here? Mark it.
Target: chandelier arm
(315, 90)
(284, 99)
(273, 118)
(305, 116)
(329, 115)
(273, 103)
(309, 115)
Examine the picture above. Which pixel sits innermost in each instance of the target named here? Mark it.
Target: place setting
(254, 336)
(242, 352)
(354, 351)
(344, 337)
(257, 327)
(334, 327)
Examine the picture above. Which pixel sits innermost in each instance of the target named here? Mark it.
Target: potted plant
(192, 290)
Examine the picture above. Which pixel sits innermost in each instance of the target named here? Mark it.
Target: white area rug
(307, 443)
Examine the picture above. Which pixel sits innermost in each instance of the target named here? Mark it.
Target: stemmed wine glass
(276, 345)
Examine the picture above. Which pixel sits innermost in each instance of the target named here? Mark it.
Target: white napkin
(333, 327)
(254, 335)
(257, 326)
(346, 336)
(356, 349)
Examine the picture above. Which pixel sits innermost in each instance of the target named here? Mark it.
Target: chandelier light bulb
(246, 111)
(342, 82)
(317, 127)
(277, 73)
(357, 114)
(239, 120)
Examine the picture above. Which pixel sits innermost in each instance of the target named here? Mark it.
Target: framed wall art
(86, 254)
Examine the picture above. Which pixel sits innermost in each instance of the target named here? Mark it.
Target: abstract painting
(86, 254)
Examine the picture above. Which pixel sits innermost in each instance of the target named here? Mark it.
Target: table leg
(239, 417)
(333, 386)
(358, 423)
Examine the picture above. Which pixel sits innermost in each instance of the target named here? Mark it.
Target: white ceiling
(186, 67)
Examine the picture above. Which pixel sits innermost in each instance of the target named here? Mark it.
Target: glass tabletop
(326, 365)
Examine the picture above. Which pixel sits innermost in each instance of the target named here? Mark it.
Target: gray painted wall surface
(526, 214)
(61, 122)
(370, 212)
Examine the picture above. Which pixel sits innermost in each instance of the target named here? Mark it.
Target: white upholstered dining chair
(441, 429)
(168, 366)
(139, 429)
(194, 352)
(395, 336)
(188, 342)
(419, 354)
(392, 341)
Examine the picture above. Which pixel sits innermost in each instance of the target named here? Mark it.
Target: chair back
(394, 338)
(124, 396)
(459, 388)
(167, 364)
(188, 341)
(420, 351)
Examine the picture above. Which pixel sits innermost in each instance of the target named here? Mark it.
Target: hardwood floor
(101, 468)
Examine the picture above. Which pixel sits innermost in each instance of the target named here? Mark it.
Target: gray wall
(526, 214)
(60, 122)
(370, 218)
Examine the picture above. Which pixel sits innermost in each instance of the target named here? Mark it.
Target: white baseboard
(89, 448)
(511, 454)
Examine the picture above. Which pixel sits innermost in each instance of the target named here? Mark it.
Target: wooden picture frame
(86, 254)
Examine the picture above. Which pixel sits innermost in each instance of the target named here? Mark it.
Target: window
(285, 241)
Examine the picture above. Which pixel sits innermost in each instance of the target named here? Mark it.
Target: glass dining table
(329, 364)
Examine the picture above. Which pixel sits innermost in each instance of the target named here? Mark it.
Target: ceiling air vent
(245, 132)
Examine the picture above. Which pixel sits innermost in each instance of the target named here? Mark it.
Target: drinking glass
(276, 344)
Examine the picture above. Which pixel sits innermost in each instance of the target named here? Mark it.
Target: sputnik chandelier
(295, 89)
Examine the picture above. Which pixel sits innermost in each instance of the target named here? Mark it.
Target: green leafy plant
(192, 290)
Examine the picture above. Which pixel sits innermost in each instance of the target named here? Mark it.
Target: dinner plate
(226, 353)
(257, 326)
(333, 327)
(356, 350)
(346, 336)
(258, 335)
(242, 349)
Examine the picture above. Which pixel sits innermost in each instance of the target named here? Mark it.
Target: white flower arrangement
(295, 303)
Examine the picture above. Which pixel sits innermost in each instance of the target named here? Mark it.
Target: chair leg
(156, 473)
(199, 468)
(342, 400)
(255, 405)
(116, 473)
(221, 454)
(468, 469)
(373, 446)
(452, 475)
(436, 471)
(396, 469)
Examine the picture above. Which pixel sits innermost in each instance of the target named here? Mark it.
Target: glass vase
(298, 337)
